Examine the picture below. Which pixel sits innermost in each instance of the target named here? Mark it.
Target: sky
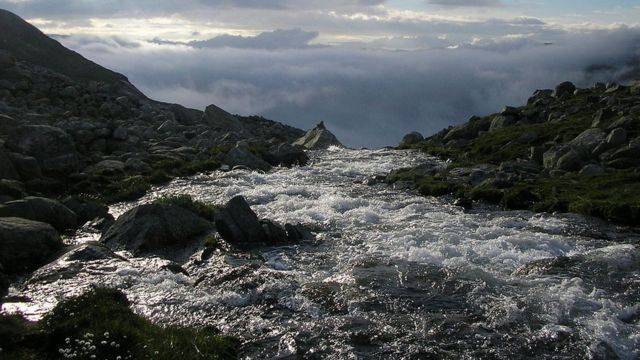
(372, 70)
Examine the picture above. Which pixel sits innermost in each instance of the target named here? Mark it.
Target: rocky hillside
(69, 126)
(567, 149)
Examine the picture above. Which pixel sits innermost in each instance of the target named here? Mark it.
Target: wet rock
(165, 230)
(464, 202)
(238, 224)
(564, 89)
(4, 282)
(40, 209)
(52, 147)
(86, 209)
(275, 233)
(26, 244)
(411, 138)
(287, 155)
(72, 262)
(174, 268)
(318, 138)
(297, 232)
(241, 157)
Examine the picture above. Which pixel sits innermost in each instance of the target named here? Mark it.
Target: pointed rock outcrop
(318, 138)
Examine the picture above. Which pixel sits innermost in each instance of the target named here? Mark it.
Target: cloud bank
(368, 96)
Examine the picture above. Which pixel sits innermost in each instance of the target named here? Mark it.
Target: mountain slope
(27, 43)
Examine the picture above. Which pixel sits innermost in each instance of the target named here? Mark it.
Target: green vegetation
(100, 325)
(186, 202)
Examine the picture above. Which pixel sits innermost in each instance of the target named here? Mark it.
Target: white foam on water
(361, 226)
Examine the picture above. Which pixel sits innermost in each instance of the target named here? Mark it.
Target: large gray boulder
(52, 147)
(587, 141)
(41, 209)
(26, 244)
(219, 119)
(318, 138)
(160, 229)
(27, 166)
(238, 156)
(411, 138)
(238, 224)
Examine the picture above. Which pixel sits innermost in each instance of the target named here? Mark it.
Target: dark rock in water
(411, 138)
(86, 209)
(287, 155)
(564, 89)
(238, 224)
(155, 228)
(275, 233)
(26, 244)
(99, 225)
(53, 148)
(241, 157)
(4, 282)
(174, 268)
(41, 209)
(297, 232)
(72, 262)
(464, 202)
(318, 138)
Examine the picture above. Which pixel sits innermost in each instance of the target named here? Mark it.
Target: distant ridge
(25, 42)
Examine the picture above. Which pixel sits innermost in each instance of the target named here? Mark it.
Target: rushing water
(390, 275)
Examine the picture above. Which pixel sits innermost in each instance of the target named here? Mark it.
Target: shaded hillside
(27, 43)
(567, 149)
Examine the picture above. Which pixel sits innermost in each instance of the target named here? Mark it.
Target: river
(390, 275)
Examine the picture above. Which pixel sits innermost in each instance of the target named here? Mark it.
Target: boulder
(4, 282)
(297, 232)
(551, 156)
(137, 165)
(120, 133)
(318, 138)
(106, 167)
(72, 262)
(7, 170)
(587, 141)
(411, 138)
(219, 119)
(591, 170)
(41, 209)
(616, 137)
(502, 121)
(26, 244)
(564, 89)
(27, 166)
(287, 155)
(238, 156)
(11, 190)
(238, 224)
(275, 233)
(52, 147)
(569, 161)
(156, 228)
(86, 209)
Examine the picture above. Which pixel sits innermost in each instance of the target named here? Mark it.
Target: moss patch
(100, 325)
(186, 202)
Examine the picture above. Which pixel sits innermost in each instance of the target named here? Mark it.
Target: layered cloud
(370, 97)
